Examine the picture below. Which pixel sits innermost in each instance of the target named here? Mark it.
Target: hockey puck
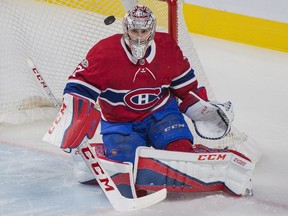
(109, 20)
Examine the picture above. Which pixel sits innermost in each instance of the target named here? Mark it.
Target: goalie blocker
(77, 118)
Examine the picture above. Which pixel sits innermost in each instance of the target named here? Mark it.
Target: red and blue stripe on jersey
(129, 90)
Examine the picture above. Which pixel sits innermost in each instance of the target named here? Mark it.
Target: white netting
(56, 35)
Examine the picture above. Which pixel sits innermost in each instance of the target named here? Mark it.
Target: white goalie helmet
(139, 25)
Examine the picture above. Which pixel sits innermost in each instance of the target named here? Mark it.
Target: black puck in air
(109, 20)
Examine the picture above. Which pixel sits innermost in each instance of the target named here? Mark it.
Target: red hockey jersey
(129, 90)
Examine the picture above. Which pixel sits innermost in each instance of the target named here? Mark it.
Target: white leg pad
(193, 172)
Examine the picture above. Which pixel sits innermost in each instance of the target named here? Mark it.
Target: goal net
(56, 35)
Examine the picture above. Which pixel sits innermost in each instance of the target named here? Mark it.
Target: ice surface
(37, 179)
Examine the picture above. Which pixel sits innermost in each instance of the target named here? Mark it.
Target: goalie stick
(119, 202)
(43, 83)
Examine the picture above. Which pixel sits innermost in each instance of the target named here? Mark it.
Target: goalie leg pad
(120, 173)
(122, 176)
(192, 172)
(81, 172)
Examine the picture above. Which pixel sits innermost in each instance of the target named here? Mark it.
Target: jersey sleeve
(83, 80)
(185, 83)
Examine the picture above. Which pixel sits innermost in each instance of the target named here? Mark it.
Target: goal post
(57, 35)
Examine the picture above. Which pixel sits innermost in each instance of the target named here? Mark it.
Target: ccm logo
(58, 118)
(97, 169)
(239, 161)
(39, 77)
(174, 127)
(212, 157)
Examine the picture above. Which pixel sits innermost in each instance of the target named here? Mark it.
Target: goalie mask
(139, 25)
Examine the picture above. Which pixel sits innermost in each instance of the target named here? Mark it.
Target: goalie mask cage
(56, 35)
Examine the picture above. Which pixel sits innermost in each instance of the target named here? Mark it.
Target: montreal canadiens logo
(142, 99)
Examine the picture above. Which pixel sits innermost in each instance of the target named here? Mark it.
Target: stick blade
(128, 205)
(150, 199)
(118, 201)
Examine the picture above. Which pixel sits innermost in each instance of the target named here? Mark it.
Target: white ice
(37, 179)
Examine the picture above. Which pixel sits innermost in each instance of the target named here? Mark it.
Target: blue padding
(171, 107)
(121, 128)
(121, 147)
(171, 128)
